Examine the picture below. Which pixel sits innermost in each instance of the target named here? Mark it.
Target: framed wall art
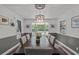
(63, 26)
(75, 22)
(4, 20)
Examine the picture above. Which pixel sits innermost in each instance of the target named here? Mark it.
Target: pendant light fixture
(39, 17)
(39, 6)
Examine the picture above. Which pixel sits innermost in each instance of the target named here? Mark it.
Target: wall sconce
(12, 23)
(52, 26)
(27, 26)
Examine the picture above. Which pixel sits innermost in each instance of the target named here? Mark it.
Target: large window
(39, 26)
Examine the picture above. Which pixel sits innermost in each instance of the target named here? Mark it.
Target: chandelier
(40, 18)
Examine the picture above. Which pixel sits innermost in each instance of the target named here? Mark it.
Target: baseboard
(11, 49)
(65, 48)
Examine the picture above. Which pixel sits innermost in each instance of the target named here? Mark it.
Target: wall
(71, 36)
(30, 21)
(74, 11)
(69, 41)
(7, 43)
(7, 30)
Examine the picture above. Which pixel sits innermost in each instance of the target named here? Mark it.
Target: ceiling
(29, 10)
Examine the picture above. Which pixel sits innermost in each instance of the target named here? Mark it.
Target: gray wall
(71, 42)
(72, 11)
(50, 21)
(7, 43)
(10, 30)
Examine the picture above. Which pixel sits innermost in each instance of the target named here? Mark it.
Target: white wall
(27, 22)
(30, 21)
(7, 30)
(67, 16)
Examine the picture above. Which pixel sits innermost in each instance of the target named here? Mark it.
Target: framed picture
(63, 26)
(75, 22)
(4, 20)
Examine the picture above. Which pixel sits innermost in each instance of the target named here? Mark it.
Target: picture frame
(63, 26)
(75, 22)
(4, 20)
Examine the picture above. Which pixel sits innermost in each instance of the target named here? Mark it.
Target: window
(40, 27)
